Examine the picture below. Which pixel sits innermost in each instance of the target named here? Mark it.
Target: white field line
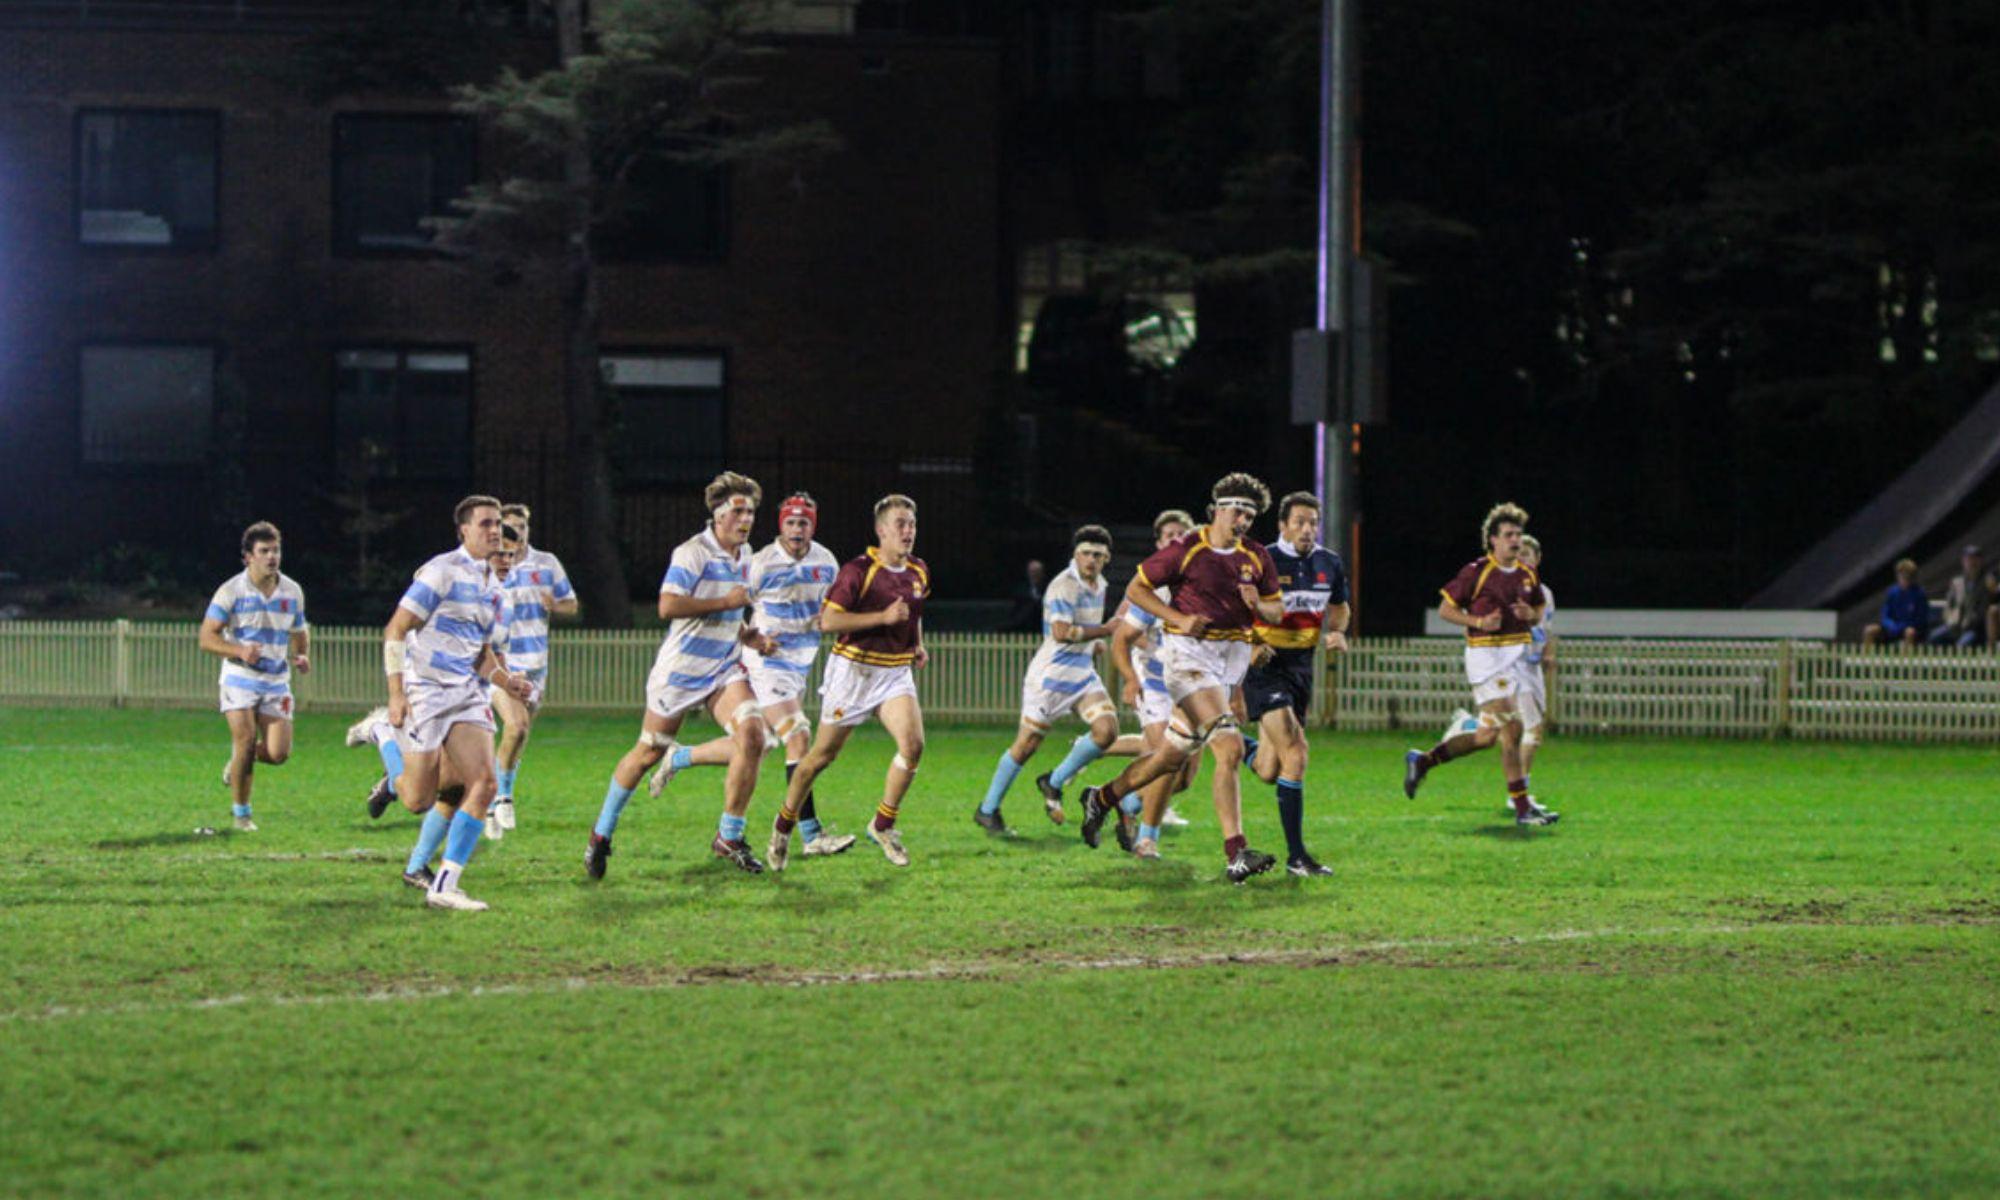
(722, 975)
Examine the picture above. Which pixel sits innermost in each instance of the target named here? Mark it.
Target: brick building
(218, 300)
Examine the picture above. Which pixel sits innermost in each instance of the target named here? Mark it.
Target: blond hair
(728, 484)
(894, 500)
(1171, 516)
(518, 512)
(1504, 513)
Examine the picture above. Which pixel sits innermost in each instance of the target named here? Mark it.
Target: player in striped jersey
(1135, 651)
(876, 610)
(788, 579)
(256, 624)
(1541, 659)
(706, 596)
(1061, 678)
(537, 587)
(448, 635)
(1277, 690)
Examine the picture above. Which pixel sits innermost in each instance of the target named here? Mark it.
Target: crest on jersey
(1249, 572)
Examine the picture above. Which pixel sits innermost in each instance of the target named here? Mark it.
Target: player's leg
(468, 747)
(1027, 739)
(904, 720)
(274, 734)
(1100, 716)
(375, 730)
(437, 821)
(517, 721)
(1214, 721)
(1286, 745)
(735, 708)
(825, 749)
(242, 762)
(1457, 744)
(656, 737)
(1153, 798)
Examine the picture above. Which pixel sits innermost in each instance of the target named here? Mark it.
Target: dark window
(670, 416)
(146, 405)
(403, 413)
(671, 211)
(146, 178)
(391, 173)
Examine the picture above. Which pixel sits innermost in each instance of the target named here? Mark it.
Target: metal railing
(1683, 688)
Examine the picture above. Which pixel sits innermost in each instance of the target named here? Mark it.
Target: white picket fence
(1686, 688)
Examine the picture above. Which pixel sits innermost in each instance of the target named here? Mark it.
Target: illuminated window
(147, 178)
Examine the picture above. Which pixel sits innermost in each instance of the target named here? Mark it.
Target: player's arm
(1123, 634)
(1140, 593)
(565, 607)
(301, 648)
(213, 641)
(674, 606)
(395, 654)
(491, 665)
(923, 656)
(1452, 614)
(834, 619)
(1337, 618)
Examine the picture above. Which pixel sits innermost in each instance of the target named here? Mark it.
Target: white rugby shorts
(1198, 665)
(435, 708)
(264, 704)
(666, 700)
(852, 691)
(1042, 707)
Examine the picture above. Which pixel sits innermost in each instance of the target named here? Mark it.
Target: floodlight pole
(1336, 437)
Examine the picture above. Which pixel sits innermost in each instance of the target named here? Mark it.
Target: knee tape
(656, 741)
(902, 764)
(1532, 737)
(1093, 712)
(1224, 724)
(791, 724)
(1181, 738)
(749, 710)
(1493, 720)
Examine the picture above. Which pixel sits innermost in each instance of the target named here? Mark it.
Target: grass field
(1733, 970)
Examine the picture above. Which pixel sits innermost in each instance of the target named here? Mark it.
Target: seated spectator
(1968, 604)
(1906, 611)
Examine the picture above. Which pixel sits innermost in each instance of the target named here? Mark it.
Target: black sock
(1292, 813)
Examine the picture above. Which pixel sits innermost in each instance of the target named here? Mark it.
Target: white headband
(1238, 503)
(724, 509)
(1097, 547)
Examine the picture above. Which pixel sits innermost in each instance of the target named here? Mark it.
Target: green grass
(1735, 969)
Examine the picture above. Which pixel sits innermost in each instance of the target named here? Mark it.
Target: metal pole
(1339, 240)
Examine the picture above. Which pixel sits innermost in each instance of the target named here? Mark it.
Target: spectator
(1967, 604)
(1025, 612)
(1906, 611)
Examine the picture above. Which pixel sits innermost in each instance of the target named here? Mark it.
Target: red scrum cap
(798, 504)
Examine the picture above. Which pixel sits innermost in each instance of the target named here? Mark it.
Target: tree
(637, 83)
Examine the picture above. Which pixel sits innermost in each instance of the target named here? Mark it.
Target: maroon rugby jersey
(867, 584)
(1204, 582)
(1482, 587)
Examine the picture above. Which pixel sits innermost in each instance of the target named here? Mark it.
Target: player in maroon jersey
(1221, 584)
(1498, 601)
(876, 606)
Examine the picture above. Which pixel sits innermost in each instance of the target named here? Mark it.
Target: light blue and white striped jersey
(789, 592)
(537, 575)
(1067, 668)
(1146, 650)
(699, 651)
(248, 615)
(1540, 633)
(463, 608)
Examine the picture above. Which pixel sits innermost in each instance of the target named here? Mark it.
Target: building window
(671, 211)
(670, 416)
(403, 413)
(146, 405)
(146, 178)
(391, 174)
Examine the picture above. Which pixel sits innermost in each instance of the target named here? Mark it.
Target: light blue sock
(809, 829)
(392, 761)
(506, 781)
(1004, 775)
(1082, 752)
(1130, 805)
(731, 828)
(1149, 831)
(240, 810)
(614, 803)
(681, 757)
(462, 838)
(428, 838)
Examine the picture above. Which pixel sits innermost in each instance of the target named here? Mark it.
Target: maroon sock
(1231, 845)
(1439, 755)
(783, 824)
(1517, 794)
